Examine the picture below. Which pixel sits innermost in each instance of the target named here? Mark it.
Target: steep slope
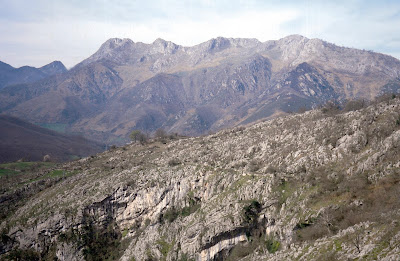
(315, 186)
(219, 83)
(63, 98)
(26, 74)
(20, 139)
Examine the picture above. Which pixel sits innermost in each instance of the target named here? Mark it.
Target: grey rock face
(249, 193)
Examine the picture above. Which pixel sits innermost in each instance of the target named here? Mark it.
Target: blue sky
(38, 32)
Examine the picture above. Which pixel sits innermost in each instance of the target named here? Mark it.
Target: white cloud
(73, 41)
(71, 31)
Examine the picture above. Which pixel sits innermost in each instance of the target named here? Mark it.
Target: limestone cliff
(311, 186)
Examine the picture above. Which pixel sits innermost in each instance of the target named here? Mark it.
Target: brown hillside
(20, 139)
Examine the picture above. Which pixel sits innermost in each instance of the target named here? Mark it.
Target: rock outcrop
(310, 186)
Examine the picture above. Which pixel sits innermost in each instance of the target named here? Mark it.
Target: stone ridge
(220, 83)
(27, 74)
(319, 185)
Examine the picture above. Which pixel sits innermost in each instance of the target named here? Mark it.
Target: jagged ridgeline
(321, 185)
(216, 84)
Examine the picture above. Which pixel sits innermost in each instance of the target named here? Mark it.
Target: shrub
(138, 136)
(185, 257)
(330, 108)
(302, 109)
(193, 207)
(46, 158)
(272, 245)
(23, 254)
(386, 97)
(160, 133)
(354, 105)
(250, 212)
(170, 215)
(254, 165)
(174, 162)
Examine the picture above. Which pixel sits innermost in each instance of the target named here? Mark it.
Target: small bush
(250, 212)
(187, 211)
(138, 136)
(354, 105)
(174, 162)
(330, 108)
(23, 254)
(185, 257)
(170, 215)
(272, 245)
(386, 97)
(254, 165)
(46, 158)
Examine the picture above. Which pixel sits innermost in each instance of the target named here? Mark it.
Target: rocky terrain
(322, 185)
(220, 83)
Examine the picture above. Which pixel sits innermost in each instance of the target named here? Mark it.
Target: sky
(38, 32)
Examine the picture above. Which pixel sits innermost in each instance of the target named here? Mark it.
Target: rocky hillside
(26, 74)
(321, 185)
(220, 83)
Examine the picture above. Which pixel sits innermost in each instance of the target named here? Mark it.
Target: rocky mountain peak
(53, 68)
(113, 44)
(27, 74)
(218, 44)
(294, 38)
(115, 49)
(163, 46)
(116, 42)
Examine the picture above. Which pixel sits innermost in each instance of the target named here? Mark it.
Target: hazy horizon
(70, 31)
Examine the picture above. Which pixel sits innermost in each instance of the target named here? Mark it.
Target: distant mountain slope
(26, 74)
(20, 139)
(193, 90)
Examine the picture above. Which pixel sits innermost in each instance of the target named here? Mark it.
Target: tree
(134, 135)
(160, 133)
(137, 135)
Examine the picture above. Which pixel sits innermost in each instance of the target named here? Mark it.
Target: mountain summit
(26, 74)
(222, 82)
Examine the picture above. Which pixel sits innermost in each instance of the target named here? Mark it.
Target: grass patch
(4, 172)
(165, 247)
(17, 167)
(59, 127)
(338, 245)
(61, 173)
(285, 189)
(272, 245)
(125, 232)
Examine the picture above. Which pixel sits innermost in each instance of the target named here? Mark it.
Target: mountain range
(223, 82)
(26, 74)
